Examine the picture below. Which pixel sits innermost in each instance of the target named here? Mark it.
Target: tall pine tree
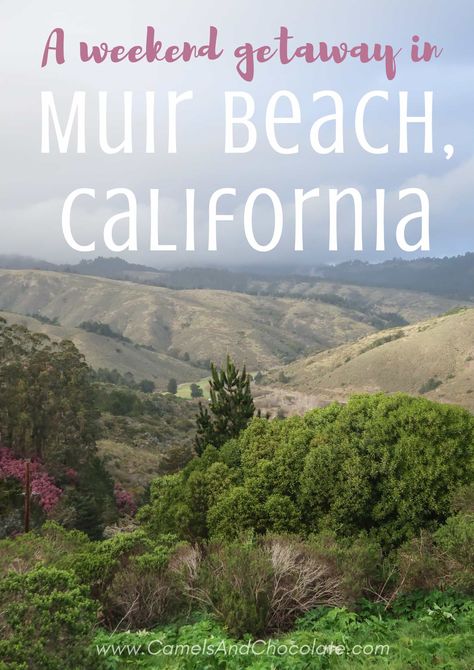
(230, 409)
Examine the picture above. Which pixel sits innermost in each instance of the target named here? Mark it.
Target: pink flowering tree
(124, 500)
(42, 485)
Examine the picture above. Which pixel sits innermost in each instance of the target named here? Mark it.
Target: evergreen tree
(196, 391)
(172, 386)
(231, 407)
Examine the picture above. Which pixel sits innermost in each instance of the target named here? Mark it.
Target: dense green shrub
(126, 574)
(103, 329)
(387, 465)
(47, 621)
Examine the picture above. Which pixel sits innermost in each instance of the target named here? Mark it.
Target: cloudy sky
(33, 186)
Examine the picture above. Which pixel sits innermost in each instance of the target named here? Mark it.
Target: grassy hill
(105, 352)
(174, 333)
(434, 358)
(195, 325)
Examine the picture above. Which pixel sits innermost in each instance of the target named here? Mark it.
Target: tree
(231, 407)
(196, 391)
(147, 386)
(47, 402)
(49, 413)
(172, 386)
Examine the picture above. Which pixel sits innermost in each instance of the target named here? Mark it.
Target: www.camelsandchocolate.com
(157, 647)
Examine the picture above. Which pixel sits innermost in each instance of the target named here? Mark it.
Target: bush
(258, 586)
(238, 597)
(143, 593)
(442, 560)
(172, 386)
(47, 621)
(430, 385)
(358, 561)
(455, 543)
(386, 465)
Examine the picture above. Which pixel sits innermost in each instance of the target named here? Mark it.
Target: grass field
(184, 390)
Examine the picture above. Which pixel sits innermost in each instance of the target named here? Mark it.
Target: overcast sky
(33, 186)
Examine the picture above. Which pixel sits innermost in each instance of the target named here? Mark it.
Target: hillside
(434, 358)
(187, 327)
(104, 352)
(177, 332)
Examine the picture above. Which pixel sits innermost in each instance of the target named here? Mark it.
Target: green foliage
(48, 411)
(147, 386)
(443, 559)
(47, 405)
(120, 402)
(387, 465)
(92, 500)
(42, 318)
(358, 561)
(47, 621)
(231, 407)
(283, 378)
(395, 642)
(254, 586)
(240, 597)
(115, 377)
(11, 500)
(391, 337)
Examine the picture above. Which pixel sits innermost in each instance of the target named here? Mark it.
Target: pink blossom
(42, 485)
(72, 475)
(124, 500)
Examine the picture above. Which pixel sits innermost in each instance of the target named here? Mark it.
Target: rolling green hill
(434, 358)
